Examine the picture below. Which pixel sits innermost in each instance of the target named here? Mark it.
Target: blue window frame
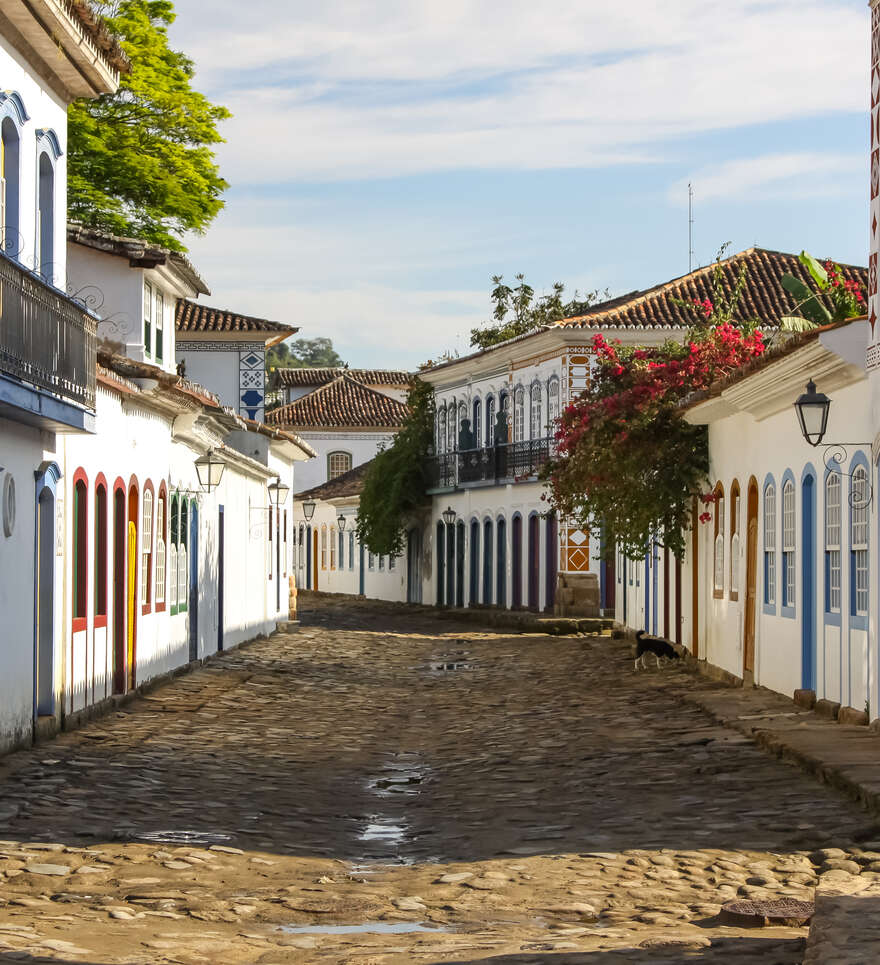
(859, 568)
(788, 583)
(769, 545)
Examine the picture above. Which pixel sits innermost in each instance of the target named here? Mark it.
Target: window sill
(146, 608)
(101, 622)
(788, 612)
(79, 624)
(160, 608)
(831, 619)
(769, 609)
(718, 594)
(858, 621)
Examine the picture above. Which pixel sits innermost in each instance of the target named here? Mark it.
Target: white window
(269, 528)
(451, 441)
(390, 562)
(859, 541)
(324, 546)
(553, 401)
(519, 413)
(338, 463)
(148, 318)
(332, 547)
(160, 550)
(441, 430)
(371, 561)
(351, 551)
(719, 544)
(462, 416)
(770, 544)
(490, 420)
(172, 575)
(832, 543)
(537, 424)
(381, 562)
(181, 577)
(478, 423)
(734, 546)
(146, 546)
(788, 545)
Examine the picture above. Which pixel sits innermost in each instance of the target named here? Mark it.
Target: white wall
(46, 110)
(362, 446)
(217, 370)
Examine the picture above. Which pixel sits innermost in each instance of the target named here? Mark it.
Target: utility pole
(690, 227)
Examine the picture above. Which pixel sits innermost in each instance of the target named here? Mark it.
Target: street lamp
(812, 411)
(448, 515)
(341, 521)
(209, 469)
(309, 509)
(278, 491)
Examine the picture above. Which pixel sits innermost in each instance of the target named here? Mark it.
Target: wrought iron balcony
(46, 338)
(504, 463)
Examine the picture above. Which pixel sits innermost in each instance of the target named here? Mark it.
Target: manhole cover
(785, 911)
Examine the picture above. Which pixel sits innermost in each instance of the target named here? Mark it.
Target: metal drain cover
(759, 914)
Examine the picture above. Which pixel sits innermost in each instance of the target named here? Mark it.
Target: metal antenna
(690, 227)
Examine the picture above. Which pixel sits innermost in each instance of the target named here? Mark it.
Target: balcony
(47, 353)
(501, 464)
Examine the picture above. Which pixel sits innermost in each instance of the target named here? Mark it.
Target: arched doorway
(131, 600)
(441, 564)
(119, 587)
(751, 577)
(501, 563)
(44, 592)
(193, 581)
(459, 563)
(474, 589)
(534, 561)
(487, 562)
(552, 561)
(414, 566)
(808, 580)
(516, 548)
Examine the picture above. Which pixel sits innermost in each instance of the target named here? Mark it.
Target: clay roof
(350, 483)
(763, 296)
(341, 404)
(94, 27)
(140, 253)
(194, 319)
(320, 376)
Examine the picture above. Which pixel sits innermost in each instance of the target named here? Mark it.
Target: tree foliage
(625, 455)
(140, 161)
(517, 312)
(304, 353)
(396, 481)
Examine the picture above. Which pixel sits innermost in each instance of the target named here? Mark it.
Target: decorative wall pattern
(252, 383)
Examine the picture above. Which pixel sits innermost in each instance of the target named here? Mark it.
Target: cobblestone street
(470, 796)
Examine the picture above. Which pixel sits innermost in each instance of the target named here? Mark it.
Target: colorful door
(193, 581)
(315, 560)
(534, 562)
(131, 602)
(516, 548)
(751, 578)
(808, 583)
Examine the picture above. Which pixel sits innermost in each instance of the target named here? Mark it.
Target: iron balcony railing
(502, 463)
(46, 338)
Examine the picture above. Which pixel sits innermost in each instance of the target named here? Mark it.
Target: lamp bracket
(835, 454)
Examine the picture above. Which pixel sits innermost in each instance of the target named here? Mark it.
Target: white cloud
(344, 89)
(774, 176)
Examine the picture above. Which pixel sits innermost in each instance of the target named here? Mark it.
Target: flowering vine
(625, 455)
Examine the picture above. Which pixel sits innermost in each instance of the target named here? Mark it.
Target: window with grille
(536, 430)
(519, 414)
(371, 561)
(770, 545)
(788, 545)
(351, 551)
(734, 541)
(859, 541)
(160, 325)
(490, 420)
(381, 562)
(441, 429)
(462, 416)
(332, 547)
(146, 546)
(302, 547)
(477, 426)
(451, 441)
(101, 551)
(182, 570)
(338, 463)
(391, 562)
(553, 400)
(323, 546)
(172, 553)
(832, 543)
(80, 551)
(718, 579)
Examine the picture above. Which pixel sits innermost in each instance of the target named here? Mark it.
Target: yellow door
(130, 606)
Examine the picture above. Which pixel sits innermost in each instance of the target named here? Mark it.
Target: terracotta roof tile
(194, 318)
(763, 297)
(342, 403)
(286, 377)
(350, 483)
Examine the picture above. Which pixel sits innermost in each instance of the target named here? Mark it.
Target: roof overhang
(833, 360)
(66, 43)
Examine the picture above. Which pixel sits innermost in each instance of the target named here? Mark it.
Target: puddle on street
(383, 830)
(181, 837)
(368, 928)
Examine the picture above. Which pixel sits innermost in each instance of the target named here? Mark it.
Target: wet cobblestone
(521, 798)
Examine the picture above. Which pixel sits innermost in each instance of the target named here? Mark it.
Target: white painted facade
(360, 447)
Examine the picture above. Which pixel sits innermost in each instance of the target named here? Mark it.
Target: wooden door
(131, 602)
(695, 579)
(751, 579)
(315, 559)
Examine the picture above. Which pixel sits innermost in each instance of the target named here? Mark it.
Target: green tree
(305, 353)
(396, 481)
(517, 312)
(140, 161)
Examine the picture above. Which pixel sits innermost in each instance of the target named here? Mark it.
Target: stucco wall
(361, 446)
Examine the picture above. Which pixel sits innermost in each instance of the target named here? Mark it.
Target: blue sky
(386, 159)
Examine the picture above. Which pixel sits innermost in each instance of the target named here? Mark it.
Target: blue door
(808, 580)
(308, 557)
(193, 581)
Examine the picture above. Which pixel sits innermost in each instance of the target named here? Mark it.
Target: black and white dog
(646, 644)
